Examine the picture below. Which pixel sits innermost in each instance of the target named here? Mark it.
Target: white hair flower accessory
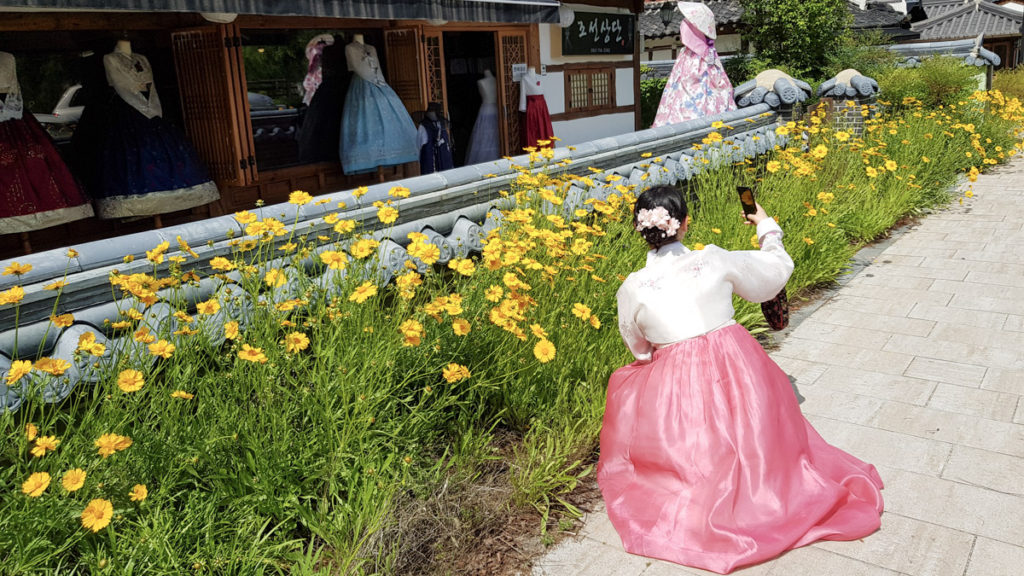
(657, 218)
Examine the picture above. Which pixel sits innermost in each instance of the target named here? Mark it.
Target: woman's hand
(756, 217)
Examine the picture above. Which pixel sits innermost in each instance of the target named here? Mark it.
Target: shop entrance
(467, 56)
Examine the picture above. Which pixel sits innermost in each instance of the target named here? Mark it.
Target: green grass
(317, 460)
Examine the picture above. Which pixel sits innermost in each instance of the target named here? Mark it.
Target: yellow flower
(12, 296)
(364, 292)
(143, 336)
(454, 372)
(345, 226)
(275, 278)
(55, 366)
(299, 198)
(595, 322)
(808, 241)
(43, 445)
(969, 194)
(387, 214)
(182, 394)
(31, 431)
(55, 285)
(782, 131)
(296, 342)
(36, 484)
(250, 354)
(717, 124)
(73, 479)
(698, 246)
(110, 443)
(424, 251)
(871, 172)
(18, 369)
(130, 381)
(826, 197)
(139, 492)
(362, 190)
(463, 266)
(494, 293)
(97, 514)
(399, 192)
(71, 253)
(245, 217)
(221, 263)
(544, 351)
(891, 165)
(973, 174)
(773, 166)
(161, 348)
(412, 332)
(156, 255)
(363, 247)
(17, 269)
(716, 230)
(460, 326)
(208, 307)
(231, 330)
(754, 242)
(820, 151)
(334, 260)
(842, 136)
(830, 225)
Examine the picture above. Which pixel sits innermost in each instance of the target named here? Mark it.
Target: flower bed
(300, 437)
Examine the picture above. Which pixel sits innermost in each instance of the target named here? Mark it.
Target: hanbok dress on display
(706, 459)
(483, 141)
(134, 162)
(376, 129)
(537, 124)
(435, 146)
(36, 188)
(698, 85)
(321, 124)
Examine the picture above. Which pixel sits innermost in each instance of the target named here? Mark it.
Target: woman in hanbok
(706, 459)
(376, 129)
(698, 85)
(36, 188)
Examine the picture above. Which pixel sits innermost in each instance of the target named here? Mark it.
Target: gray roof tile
(970, 20)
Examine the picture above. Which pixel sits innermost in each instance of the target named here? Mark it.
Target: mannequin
(483, 142)
(434, 138)
(537, 125)
(133, 162)
(321, 124)
(314, 74)
(36, 188)
(376, 129)
(698, 85)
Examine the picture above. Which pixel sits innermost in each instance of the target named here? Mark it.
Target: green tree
(799, 35)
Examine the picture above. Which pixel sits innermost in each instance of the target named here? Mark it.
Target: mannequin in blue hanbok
(376, 129)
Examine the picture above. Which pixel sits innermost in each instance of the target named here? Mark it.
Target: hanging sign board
(593, 33)
(518, 71)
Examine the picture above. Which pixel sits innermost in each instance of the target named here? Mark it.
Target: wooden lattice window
(589, 89)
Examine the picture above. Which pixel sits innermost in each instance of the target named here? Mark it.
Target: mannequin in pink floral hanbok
(698, 85)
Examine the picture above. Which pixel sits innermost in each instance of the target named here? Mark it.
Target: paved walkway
(916, 365)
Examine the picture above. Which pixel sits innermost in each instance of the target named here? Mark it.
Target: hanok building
(230, 74)
(1001, 26)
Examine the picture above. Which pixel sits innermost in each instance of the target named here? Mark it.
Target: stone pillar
(850, 99)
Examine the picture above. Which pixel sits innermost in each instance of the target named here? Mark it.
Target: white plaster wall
(624, 87)
(585, 129)
(554, 91)
(728, 44)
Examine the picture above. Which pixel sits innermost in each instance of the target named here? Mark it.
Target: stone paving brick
(1003, 278)
(839, 355)
(919, 250)
(900, 259)
(987, 304)
(975, 289)
(988, 404)
(910, 546)
(993, 558)
(1014, 323)
(1006, 339)
(877, 322)
(1002, 437)
(994, 258)
(802, 372)
(884, 448)
(869, 278)
(945, 371)
(831, 403)
(877, 385)
(994, 320)
(1009, 381)
(954, 505)
(957, 352)
(811, 329)
(986, 469)
(869, 305)
(892, 295)
(919, 271)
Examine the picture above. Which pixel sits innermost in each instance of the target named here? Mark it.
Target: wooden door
(404, 67)
(215, 107)
(511, 49)
(433, 58)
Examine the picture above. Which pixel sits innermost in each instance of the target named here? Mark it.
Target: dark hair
(667, 197)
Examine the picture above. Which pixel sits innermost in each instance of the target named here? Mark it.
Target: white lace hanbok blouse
(681, 293)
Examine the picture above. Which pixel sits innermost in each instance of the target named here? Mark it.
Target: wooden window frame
(570, 71)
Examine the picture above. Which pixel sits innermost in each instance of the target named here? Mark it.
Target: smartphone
(747, 199)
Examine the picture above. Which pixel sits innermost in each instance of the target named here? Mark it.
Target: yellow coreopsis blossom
(73, 480)
(345, 226)
(595, 322)
(494, 293)
(156, 255)
(55, 366)
(182, 395)
(399, 192)
(581, 311)
(36, 484)
(97, 514)
(363, 248)
(842, 136)
(891, 165)
(364, 292)
(820, 151)
(245, 217)
(296, 342)
(698, 246)
(16, 269)
(455, 372)
(107, 444)
(299, 198)
(12, 296)
(460, 326)
(412, 332)
(43, 445)
(130, 380)
(143, 336)
(463, 266)
(18, 369)
(208, 307)
(773, 166)
(387, 214)
(221, 263)
(361, 191)
(55, 285)
(334, 260)
(231, 330)
(162, 349)
(871, 172)
(275, 278)
(31, 431)
(138, 493)
(544, 351)
(251, 354)
(808, 241)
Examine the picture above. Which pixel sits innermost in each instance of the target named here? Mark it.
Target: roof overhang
(509, 11)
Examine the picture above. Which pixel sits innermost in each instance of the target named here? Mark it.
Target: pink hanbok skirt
(707, 461)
